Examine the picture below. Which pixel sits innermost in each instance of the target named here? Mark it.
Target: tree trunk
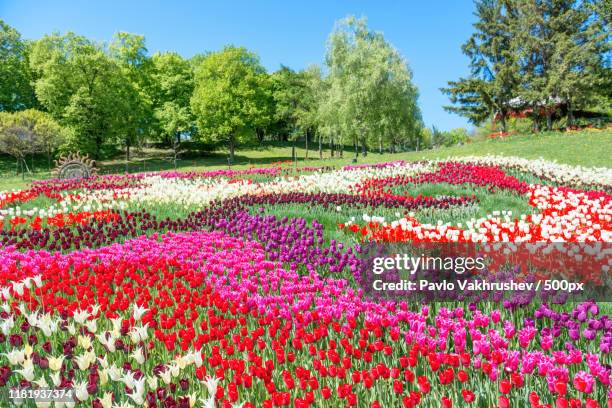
(175, 147)
(548, 120)
(98, 152)
(356, 147)
(127, 158)
(380, 146)
(570, 114)
(320, 147)
(503, 122)
(24, 167)
(293, 150)
(232, 148)
(364, 149)
(306, 155)
(341, 149)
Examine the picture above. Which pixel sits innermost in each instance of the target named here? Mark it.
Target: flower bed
(179, 290)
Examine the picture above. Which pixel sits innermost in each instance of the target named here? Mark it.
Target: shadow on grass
(210, 160)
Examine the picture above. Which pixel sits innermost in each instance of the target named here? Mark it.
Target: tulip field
(241, 288)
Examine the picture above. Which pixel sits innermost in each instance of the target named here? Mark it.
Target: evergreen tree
(494, 78)
(562, 45)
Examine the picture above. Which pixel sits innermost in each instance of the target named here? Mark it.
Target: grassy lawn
(585, 148)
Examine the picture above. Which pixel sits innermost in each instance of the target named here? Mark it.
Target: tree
(494, 78)
(307, 113)
(130, 53)
(172, 83)
(289, 88)
(537, 56)
(229, 100)
(563, 45)
(16, 93)
(82, 87)
(27, 132)
(370, 83)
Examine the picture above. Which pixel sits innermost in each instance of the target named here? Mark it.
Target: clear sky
(428, 33)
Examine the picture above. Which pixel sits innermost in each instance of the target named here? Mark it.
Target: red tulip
(560, 387)
(468, 395)
(505, 386)
(398, 387)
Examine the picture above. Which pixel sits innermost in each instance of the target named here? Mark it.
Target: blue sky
(429, 34)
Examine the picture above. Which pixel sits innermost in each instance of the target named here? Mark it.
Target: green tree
(229, 99)
(563, 46)
(330, 122)
(28, 132)
(289, 88)
(16, 93)
(494, 79)
(82, 87)
(308, 114)
(172, 84)
(370, 83)
(130, 53)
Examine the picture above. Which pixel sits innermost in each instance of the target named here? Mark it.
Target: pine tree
(562, 45)
(494, 78)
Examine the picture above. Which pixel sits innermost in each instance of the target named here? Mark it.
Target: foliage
(15, 90)
(82, 87)
(370, 84)
(171, 89)
(130, 53)
(29, 132)
(494, 70)
(534, 57)
(229, 101)
(563, 46)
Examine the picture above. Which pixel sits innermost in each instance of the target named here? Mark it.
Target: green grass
(330, 217)
(487, 202)
(585, 148)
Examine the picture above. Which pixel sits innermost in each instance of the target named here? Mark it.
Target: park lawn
(586, 148)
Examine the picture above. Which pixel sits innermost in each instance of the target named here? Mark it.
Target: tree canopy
(370, 86)
(16, 92)
(533, 56)
(229, 100)
(545, 59)
(29, 131)
(82, 87)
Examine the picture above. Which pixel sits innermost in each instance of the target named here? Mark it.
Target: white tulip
(15, 356)
(211, 384)
(80, 391)
(114, 373)
(138, 355)
(7, 325)
(80, 316)
(138, 312)
(27, 371)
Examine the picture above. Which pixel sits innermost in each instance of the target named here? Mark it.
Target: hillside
(587, 148)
